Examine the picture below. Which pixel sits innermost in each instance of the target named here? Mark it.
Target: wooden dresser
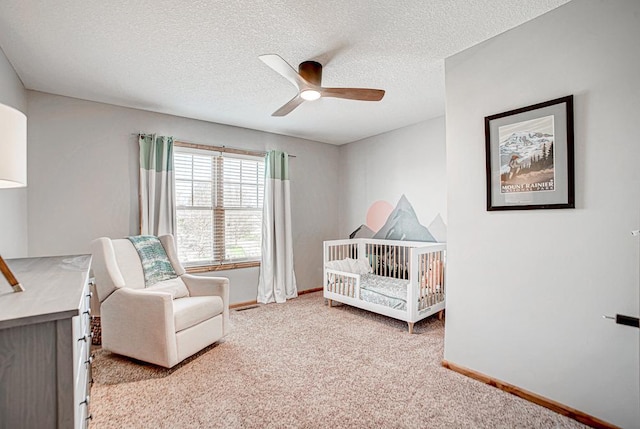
(45, 340)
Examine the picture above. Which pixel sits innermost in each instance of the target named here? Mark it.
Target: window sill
(220, 267)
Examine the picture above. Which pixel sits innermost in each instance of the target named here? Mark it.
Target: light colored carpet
(304, 365)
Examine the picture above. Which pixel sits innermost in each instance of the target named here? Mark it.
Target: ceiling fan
(308, 81)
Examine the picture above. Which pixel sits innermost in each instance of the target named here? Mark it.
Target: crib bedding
(387, 291)
(384, 291)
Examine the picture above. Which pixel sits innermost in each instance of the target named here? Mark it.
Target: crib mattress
(384, 291)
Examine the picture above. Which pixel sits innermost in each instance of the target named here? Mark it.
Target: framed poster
(530, 157)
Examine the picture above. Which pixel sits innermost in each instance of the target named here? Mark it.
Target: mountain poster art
(527, 156)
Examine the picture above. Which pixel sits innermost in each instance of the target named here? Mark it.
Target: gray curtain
(157, 199)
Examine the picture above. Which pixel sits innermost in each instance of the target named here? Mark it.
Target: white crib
(400, 279)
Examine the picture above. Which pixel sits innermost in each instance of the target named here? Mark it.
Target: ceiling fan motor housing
(311, 71)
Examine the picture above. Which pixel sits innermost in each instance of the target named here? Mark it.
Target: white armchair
(162, 324)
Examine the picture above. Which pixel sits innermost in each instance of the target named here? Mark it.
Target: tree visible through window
(218, 207)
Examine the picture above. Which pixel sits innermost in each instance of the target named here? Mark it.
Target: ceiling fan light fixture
(310, 94)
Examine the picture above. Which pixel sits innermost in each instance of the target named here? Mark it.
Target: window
(218, 207)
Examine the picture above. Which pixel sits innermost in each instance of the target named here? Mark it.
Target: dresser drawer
(82, 396)
(81, 344)
(81, 328)
(81, 331)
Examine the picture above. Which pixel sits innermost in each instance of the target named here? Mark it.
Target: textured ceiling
(199, 59)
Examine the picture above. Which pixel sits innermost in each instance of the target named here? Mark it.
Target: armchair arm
(207, 286)
(105, 268)
(151, 313)
(204, 286)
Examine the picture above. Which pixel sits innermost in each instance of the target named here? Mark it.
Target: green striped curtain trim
(159, 156)
(277, 165)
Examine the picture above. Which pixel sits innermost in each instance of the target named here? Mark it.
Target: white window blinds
(218, 207)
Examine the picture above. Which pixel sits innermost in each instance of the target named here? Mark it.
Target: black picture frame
(530, 157)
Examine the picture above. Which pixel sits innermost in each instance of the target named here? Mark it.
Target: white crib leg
(410, 327)
(329, 302)
(440, 314)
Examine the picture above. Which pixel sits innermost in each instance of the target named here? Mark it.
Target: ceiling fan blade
(277, 63)
(289, 106)
(365, 94)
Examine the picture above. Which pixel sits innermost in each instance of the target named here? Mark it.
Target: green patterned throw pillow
(155, 262)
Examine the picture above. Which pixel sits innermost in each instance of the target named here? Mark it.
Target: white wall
(83, 178)
(410, 161)
(529, 311)
(13, 202)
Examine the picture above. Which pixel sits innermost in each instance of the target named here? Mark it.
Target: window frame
(217, 209)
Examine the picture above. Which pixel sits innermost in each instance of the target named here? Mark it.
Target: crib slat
(396, 270)
(432, 277)
(395, 262)
(421, 277)
(423, 282)
(434, 281)
(432, 272)
(419, 269)
(425, 279)
(353, 288)
(405, 263)
(367, 251)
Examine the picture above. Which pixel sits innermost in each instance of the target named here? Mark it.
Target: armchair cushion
(175, 287)
(188, 312)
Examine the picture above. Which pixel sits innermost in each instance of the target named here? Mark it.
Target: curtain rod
(239, 151)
